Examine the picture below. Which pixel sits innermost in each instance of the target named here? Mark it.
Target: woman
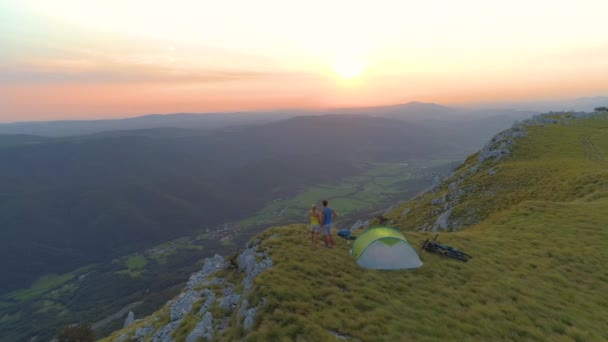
(315, 223)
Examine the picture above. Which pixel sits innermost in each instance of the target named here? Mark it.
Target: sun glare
(348, 69)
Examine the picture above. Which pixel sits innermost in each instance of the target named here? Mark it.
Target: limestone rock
(129, 320)
(249, 318)
(209, 299)
(229, 302)
(247, 262)
(356, 226)
(183, 304)
(210, 266)
(164, 334)
(442, 222)
(142, 332)
(204, 329)
(438, 200)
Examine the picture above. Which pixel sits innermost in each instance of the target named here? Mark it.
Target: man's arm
(322, 218)
(333, 212)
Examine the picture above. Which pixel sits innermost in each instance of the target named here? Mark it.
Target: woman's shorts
(315, 228)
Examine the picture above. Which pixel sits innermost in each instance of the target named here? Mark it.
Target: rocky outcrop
(249, 317)
(442, 222)
(252, 263)
(141, 333)
(183, 304)
(210, 266)
(455, 188)
(200, 287)
(164, 334)
(209, 300)
(202, 330)
(500, 146)
(229, 302)
(129, 320)
(247, 262)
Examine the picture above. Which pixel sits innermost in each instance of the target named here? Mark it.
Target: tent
(384, 248)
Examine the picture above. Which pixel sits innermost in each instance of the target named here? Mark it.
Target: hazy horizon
(113, 59)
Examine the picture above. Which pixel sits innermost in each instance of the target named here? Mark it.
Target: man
(327, 215)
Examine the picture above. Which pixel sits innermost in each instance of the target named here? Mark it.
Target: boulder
(129, 320)
(442, 222)
(249, 318)
(356, 226)
(405, 212)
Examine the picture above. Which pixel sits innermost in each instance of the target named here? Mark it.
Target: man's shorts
(326, 229)
(315, 228)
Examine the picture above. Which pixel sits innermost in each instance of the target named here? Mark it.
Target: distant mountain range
(413, 111)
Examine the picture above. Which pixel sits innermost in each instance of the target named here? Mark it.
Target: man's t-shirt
(328, 215)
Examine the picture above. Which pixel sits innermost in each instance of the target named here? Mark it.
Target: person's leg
(326, 235)
(331, 237)
(314, 234)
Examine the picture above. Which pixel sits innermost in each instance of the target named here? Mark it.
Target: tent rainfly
(384, 248)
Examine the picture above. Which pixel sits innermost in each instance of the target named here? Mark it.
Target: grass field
(538, 273)
(41, 286)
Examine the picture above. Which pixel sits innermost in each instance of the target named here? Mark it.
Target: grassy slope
(538, 271)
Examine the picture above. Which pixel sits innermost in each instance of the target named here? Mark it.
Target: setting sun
(348, 69)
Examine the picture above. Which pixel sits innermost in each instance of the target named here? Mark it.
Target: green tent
(384, 248)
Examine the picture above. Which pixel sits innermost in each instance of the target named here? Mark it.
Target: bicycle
(447, 251)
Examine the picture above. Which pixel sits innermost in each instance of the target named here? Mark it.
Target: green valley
(531, 208)
(372, 190)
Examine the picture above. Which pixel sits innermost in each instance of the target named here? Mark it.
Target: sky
(68, 59)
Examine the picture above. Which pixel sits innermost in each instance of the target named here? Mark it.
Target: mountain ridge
(541, 189)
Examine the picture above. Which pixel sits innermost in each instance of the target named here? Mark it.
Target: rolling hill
(530, 206)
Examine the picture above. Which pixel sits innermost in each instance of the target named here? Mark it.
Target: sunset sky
(65, 59)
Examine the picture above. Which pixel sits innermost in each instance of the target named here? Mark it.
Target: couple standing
(322, 221)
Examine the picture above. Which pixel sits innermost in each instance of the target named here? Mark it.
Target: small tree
(601, 109)
(77, 333)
